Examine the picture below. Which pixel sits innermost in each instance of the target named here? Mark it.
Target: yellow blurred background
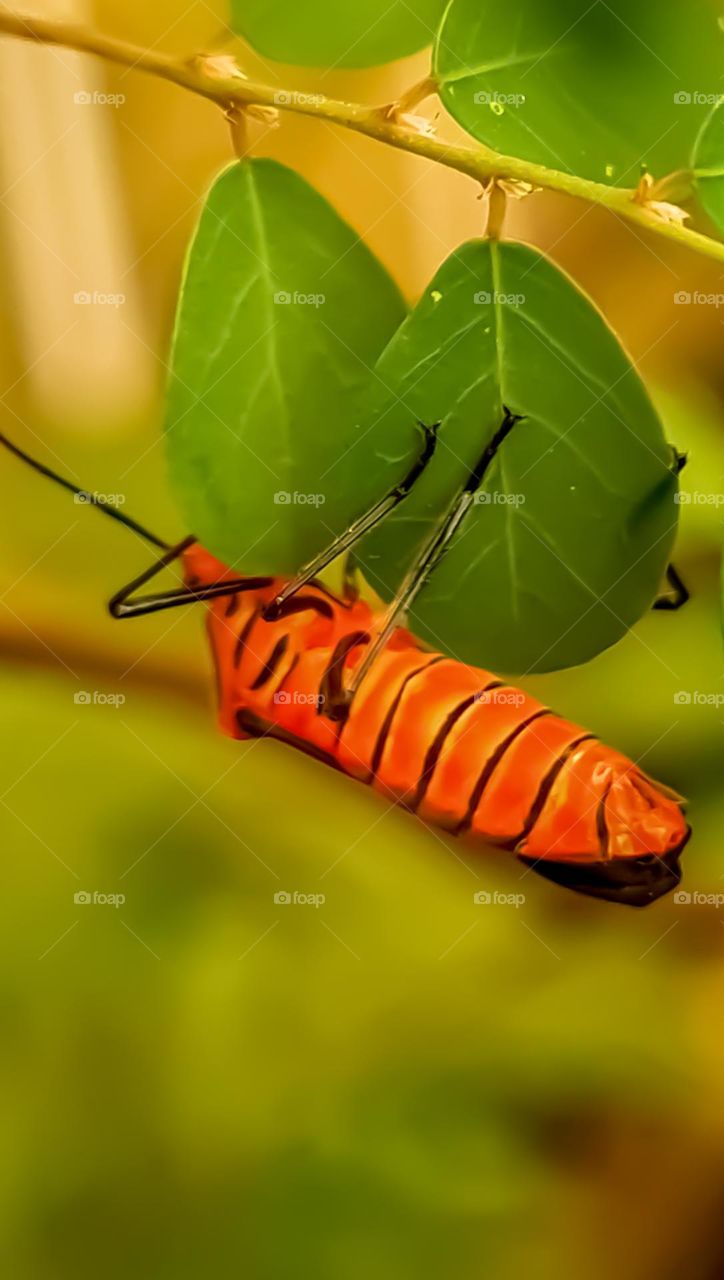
(398, 1082)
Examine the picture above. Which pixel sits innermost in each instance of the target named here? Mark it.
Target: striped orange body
(459, 747)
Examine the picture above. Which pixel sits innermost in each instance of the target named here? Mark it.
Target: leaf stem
(411, 99)
(237, 128)
(200, 76)
(497, 203)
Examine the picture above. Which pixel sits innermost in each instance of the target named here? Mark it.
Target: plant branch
(210, 78)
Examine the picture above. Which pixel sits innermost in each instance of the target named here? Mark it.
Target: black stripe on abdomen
(601, 823)
(437, 746)
(255, 727)
(491, 765)
(386, 726)
(302, 604)
(548, 783)
(244, 635)
(271, 663)
(331, 687)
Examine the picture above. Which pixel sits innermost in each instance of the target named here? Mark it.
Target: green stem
(199, 75)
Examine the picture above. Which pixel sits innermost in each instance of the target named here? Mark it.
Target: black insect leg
(677, 597)
(359, 528)
(125, 605)
(422, 567)
(350, 578)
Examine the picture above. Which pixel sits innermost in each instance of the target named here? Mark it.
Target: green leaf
(708, 165)
(332, 33)
(599, 90)
(569, 537)
(283, 313)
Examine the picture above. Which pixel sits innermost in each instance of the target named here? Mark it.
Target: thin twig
(203, 76)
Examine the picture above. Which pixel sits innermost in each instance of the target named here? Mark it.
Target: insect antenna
(91, 499)
(124, 604)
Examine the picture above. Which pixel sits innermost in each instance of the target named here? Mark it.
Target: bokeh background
(398, 1082)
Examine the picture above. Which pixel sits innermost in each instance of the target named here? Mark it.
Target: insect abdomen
(455, 744)
(435, 734)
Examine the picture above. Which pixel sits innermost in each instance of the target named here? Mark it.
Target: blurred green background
(398, 1082)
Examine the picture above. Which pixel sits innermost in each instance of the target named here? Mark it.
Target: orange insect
(452, 743)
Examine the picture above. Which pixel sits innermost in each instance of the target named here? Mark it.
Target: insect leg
(125, 605)
(679, 593)
(426, 561)
(411, 587)
(359, 528)
(350, 583)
